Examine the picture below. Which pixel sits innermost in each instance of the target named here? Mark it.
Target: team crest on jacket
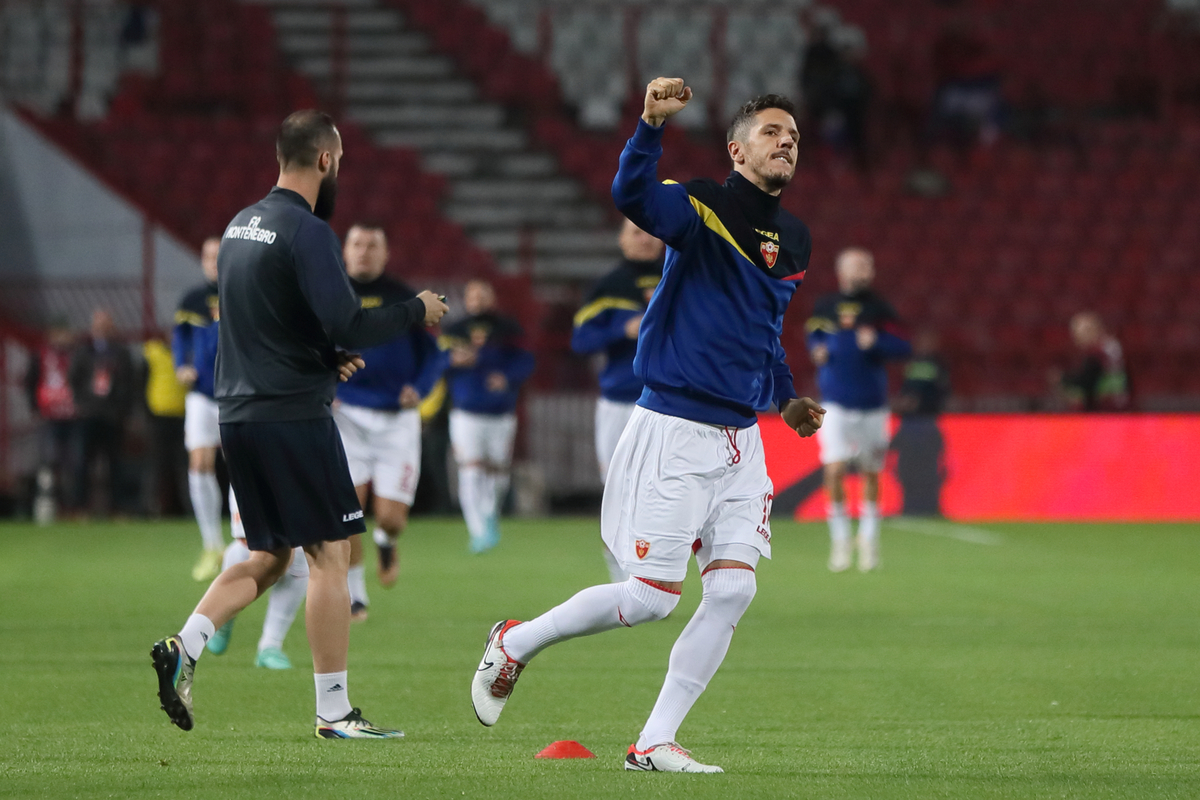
(770, 252)
(642, 547)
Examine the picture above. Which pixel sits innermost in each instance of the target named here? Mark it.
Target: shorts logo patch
(352, 516)
(770, 252)
(642, 547)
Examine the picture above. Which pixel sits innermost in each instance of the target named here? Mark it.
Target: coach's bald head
(855, 269)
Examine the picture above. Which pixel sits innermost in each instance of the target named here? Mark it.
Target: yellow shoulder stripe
(183, 317)
(600, 305)
(714, 224)
(447, 342)
(820, 324)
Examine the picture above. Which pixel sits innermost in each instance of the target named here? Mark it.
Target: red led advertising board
(981, 467)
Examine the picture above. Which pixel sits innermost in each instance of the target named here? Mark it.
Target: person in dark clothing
(837, 90)
(1099, 380)
(286, 306)
(918, 442)
(101, 377)
(48, 387)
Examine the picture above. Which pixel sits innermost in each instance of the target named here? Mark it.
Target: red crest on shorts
(642, 547)
(770, 252)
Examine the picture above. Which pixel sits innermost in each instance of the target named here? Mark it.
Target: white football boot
(667, 757)
(868, 554)
(497, 675)
(840, 555)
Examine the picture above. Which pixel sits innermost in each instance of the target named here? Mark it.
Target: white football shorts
(854, 435)
(383, 448)
(201, 422)
(611, 419)
(482, 437)
(677, 487)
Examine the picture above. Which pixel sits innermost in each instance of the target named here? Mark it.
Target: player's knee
(730, 589)
(645, 602)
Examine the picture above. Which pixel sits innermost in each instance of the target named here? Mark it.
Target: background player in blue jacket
(689, 474)
(377, 413)
(852, 335)
(194, 346)
(608, 324)
(487, 368)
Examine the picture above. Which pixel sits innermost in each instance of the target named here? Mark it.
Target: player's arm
(664, 211)
(433, 364)
(890, 341)
(802, 414)
(327, 290)
(602, 322)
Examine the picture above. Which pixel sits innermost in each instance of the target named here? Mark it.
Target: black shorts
(292, 482)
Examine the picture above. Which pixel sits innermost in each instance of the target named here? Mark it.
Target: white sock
(470, 497)
(382, 539)
(839, 523)
(356, 582)
(286, 596)
(235, 553)
(206, 501)
(615, 572)
(195, 634)
(699, 651)
(235, 517)
(333, 703)
(868, 521)
(596, 609)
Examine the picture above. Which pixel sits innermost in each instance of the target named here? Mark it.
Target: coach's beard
(326, 198)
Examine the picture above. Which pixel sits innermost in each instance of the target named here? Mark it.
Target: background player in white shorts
(376, 412)
(194, 347)
(487, 368)
(689, 473)
(608, 324)
(284, 601)
(852, 335)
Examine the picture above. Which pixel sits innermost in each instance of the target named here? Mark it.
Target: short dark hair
(368, 225)
(745, 115)
(302, 137)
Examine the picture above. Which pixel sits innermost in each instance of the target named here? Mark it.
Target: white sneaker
(668, 757)
(868, 554)
(840, 555)
(353, 726)
(497, 675)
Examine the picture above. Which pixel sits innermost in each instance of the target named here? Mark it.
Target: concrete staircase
(405, 94)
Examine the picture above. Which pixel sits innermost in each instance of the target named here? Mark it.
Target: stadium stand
(1098, 215)
(1098, 212)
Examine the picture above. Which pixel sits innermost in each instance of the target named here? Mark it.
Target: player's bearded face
(771, 148)
(326, 197)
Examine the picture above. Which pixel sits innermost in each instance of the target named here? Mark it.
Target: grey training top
(285, 306)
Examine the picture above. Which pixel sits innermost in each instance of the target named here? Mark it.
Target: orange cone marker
(566, 749)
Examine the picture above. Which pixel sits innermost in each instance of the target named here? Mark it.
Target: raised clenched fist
(665, 97)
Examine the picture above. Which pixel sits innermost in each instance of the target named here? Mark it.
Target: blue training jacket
(600, 325)
(494, 338)
(412, 358)
(853, 377)
(709, 346)
(194, 339)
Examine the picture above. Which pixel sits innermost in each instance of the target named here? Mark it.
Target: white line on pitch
(949, 530)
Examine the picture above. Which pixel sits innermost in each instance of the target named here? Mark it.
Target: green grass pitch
(1018, 661)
